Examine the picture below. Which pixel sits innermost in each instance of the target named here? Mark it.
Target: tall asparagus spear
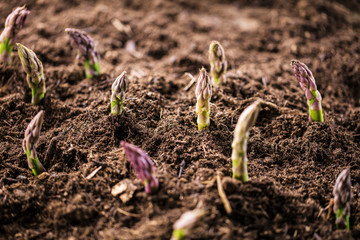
(32, 134)
(218, 62)
(239, 145)
(34, 73)
(86, 51)
(118, 93)
(307, 83)
(342, 197)
(142, 165)
(203, 94)
(14, 22)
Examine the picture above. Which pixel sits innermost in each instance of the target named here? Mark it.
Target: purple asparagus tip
(14, 22)
(307, 83)
(143, 166)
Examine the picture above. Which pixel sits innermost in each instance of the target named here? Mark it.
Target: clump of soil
(293, 164)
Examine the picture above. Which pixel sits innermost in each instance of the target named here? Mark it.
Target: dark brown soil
(293, 164)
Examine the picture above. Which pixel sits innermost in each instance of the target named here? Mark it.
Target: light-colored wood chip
(129, 214)
(91, 175)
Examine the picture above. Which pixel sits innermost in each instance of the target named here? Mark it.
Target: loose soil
(293, 164)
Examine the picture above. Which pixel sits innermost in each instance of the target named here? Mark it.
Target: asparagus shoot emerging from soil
(307, 83)
(187, 221)
(14, 22)
(342, 196)
(239, 145)
(218, 62)
(203, 94)
(32, 135)
(143, 166)
(86, 51)
(118, 93)
(34, 73)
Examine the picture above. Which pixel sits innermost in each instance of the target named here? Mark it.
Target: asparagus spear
(239, 145)
(342, 197)
(203, 94)
(143, 166)
(307, 83)
(86, 51)
(118, 93)
(14, 22)
(187, 221)
(218, 62)
(34, 73)
(32, 134)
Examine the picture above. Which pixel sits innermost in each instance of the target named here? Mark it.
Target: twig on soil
(128, 213)
(209, 183)
(270, 104)
(105, 165)
(222, 195)
(9, 179)
(192, 82)
(203, 147)
(91, 175)
(317, 237)
(331, 203)
(182, 165)
(20, 169)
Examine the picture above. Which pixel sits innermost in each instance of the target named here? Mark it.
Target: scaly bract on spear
(32, 134)
(203, 94)
(239, 145)
(307, 83)
(14, 22)
(86, 50)
(118, 91)
(34, 70)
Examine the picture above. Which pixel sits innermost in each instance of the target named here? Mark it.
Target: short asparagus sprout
(86, 51)
(218, 62)
(14, 22)
(203, 94)
(143, 166)
(342, 197)
(34, 73)
(239, 145)
(307, 83)
(186, 222)
(118, 93)
(32, 135)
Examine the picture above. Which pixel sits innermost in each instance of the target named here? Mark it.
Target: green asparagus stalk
(34, 73)
(307, 83)
(86, 51)
(187, 221)
(203, 94)
(218, 62)
(31, 138)
(239, 145)
(342, 197)
(118, 93)
(14, 22)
